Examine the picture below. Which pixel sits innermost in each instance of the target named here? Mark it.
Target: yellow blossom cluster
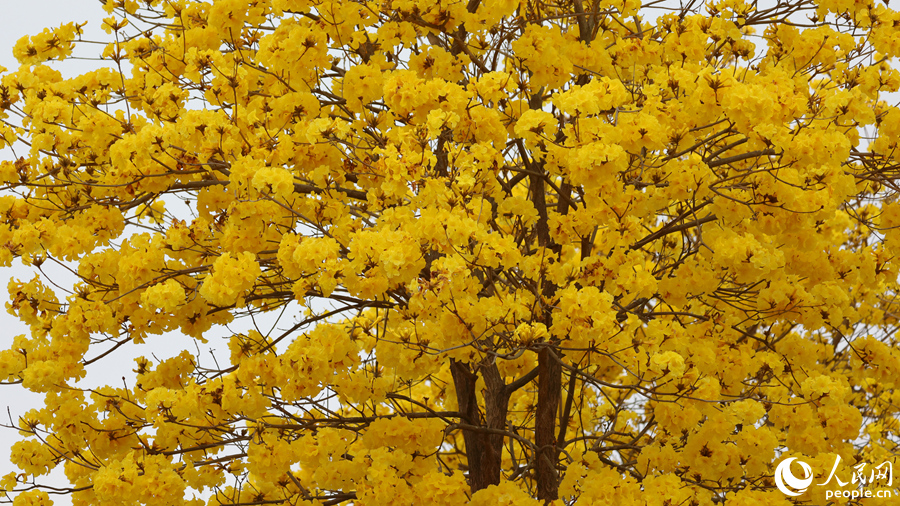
(486, 252)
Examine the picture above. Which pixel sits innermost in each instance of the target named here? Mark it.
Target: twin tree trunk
(484, 431)
(484, 434)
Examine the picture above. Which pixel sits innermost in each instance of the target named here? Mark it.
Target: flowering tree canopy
(516, 252)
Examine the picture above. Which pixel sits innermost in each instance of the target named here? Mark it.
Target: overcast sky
(22, 18)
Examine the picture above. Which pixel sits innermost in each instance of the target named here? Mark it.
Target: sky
(22, 18)
(28, 18)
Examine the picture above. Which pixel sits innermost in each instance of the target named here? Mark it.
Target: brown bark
(484, 448)
(549, 384)
(496, 404)
(549, 367)
(464, 381)
(484, 451)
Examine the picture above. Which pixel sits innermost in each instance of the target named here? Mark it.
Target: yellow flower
(230, 278)
(535, 125)
(32, 498)
(166, 296)
(274, 181)
(668, 364)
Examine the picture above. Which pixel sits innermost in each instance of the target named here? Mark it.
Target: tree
(517, 252)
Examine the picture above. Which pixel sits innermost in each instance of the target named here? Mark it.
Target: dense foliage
(519, 252)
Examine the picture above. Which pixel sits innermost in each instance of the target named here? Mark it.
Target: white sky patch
(28, 18)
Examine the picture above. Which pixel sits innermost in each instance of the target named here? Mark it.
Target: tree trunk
(484, 450)
(549, 384)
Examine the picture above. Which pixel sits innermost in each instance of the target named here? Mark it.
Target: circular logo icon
(789, 484)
